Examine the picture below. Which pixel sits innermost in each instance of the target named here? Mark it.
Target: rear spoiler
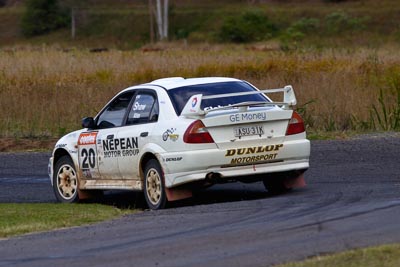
(193, 106)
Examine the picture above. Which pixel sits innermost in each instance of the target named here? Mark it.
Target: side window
(114, 114)
(144, 109)
(154, 112)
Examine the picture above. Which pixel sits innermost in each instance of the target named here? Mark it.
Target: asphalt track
(352, 200)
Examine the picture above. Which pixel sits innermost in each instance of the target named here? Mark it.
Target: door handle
(110, 136)
(144, 134)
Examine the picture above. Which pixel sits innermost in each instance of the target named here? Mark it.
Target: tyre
(154, 191)
(275, 186)
(65, 181)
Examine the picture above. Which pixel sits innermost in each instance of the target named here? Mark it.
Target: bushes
(340, 21)
(333, 24)
(250, 26)
(43, 16)
(299, 29)
(255, 26)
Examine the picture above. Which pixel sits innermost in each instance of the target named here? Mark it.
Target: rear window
(179, 96)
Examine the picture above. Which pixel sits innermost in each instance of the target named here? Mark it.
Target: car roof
(175, 82)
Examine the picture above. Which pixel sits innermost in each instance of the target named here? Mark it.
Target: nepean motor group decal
(265, 153)
(120, 147)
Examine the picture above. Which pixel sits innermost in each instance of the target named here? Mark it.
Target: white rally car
(174, 135)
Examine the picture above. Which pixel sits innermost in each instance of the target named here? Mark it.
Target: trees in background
(250, 26)
(159, 10)
(43, 16)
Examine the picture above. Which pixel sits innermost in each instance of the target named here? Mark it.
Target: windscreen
(179, 96)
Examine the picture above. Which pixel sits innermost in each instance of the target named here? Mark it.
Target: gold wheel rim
(67, 182)
(153, 186)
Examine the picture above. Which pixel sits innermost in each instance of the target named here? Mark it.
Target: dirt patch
(25, 144)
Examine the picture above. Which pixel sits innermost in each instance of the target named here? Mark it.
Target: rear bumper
(185, 167)
(186, 177)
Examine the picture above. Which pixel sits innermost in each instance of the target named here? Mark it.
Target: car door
(140, 122)
(108, 145)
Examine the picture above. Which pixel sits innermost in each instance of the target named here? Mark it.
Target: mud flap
(89, 194)
(295, 182)
(178, 193)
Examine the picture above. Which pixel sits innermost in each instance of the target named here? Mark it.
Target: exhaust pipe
(213, 177)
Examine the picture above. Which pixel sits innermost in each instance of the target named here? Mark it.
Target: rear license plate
(249, 130)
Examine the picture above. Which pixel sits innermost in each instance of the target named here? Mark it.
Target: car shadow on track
(213, 195)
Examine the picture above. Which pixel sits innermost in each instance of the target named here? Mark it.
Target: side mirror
(88, 122)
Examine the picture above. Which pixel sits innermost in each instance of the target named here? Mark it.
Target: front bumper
(50, 170)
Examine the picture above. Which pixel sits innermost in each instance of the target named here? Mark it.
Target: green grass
(333, 135)
(381, 256)
(17, 219)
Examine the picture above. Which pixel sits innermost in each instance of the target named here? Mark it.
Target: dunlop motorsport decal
(61, 145)
(173, 159)
(120, 147)
(253, 150)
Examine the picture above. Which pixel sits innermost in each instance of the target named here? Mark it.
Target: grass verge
(381, 256)
(17, 219)
(45, 94)
(27, 144)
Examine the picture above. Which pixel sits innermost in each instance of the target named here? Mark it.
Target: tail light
(296, 124)
(197, 133)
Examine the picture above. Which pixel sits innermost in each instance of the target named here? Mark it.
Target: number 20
(88, 158)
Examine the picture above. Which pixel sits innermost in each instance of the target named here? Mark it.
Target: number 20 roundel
(87, 150)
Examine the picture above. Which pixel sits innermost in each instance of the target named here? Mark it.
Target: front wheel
(154, 191)
(65, 181)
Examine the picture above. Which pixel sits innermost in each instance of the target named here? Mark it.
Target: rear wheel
(65, 181)
(154, 190)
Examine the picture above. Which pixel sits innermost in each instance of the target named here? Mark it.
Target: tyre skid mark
(392, 204)
(24, 180)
